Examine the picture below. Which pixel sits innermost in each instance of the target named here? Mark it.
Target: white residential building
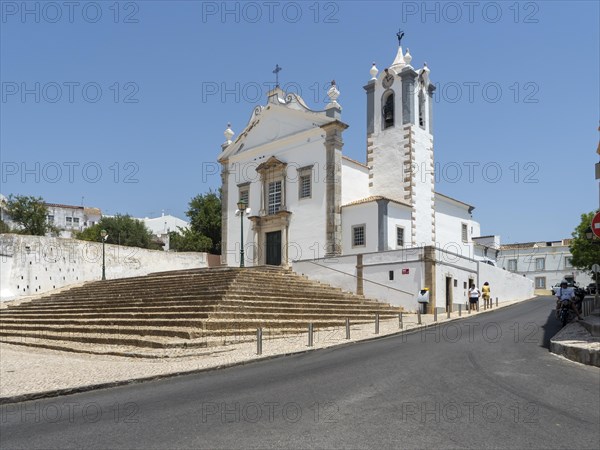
(67, 218)
(545, 263)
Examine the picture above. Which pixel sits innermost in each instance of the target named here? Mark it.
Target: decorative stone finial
(374, 71)
(333, 94)
(228, 133)
(407, 56)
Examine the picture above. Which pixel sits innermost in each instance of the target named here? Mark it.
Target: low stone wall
(31, 265)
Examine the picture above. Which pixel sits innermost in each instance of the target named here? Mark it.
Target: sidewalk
(28, 372)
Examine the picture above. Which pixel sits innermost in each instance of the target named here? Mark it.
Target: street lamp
(104, 236)
(241, 209)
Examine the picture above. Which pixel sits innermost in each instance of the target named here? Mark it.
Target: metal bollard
(347, 328)
(400, 324)
(259, 341)
(477, 303)
(448, 313)
(469, 307)
(496, 302)
(377, 323)
(459, 309)
(419, 317)
(435, 314)
(310, 334)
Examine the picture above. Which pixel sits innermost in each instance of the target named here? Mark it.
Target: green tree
(4, 228)
(122, 230)
(585, 252)
(205, 220)
(186, 240)
(30, 213)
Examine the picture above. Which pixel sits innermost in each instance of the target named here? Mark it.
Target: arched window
(388, 111)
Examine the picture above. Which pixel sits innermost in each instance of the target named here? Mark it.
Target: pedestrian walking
(474, 295)
(486, 294)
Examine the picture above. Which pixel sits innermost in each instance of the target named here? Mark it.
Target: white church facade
(306, 201)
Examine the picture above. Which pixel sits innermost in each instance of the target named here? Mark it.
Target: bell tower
(400, 140)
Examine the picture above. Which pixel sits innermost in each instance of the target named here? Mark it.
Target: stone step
(275, 307)
(166, 319)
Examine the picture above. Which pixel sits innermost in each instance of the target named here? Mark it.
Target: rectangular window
(465, 233)
(358, 236)
(244, 195)
(540, 282)
(568, 262)
(455, 283)
(50, 218)
(512, 265)
(391, 275)
(305, 186)
(399, 237)
(274, 197)
(540, 264)
(76, 221)
(69, 221)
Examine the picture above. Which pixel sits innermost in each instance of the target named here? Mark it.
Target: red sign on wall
(405, 271)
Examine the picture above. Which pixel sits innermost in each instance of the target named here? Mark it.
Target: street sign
(596, 224)
(596, 268)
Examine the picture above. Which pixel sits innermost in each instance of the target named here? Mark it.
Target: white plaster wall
(355, 181)
(458, 268)
(365, 213)
(341, 272)
(505, 285)
(398, 216)
(31, 265)
(449, 218)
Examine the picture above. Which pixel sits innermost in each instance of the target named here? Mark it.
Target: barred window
(399, 237)
(358, 235)
(274, 197)
(305, 186)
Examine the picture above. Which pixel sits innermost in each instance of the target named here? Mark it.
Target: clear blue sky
(132, 100)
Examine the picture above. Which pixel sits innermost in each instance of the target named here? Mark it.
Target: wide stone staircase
(169, 313)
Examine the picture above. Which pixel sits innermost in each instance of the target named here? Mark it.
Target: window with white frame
(568, 262)
(465, 233)
(69, 221)
(399, 237)
(358, 236)
(540, 263)
(512, 265)
(274, 204)
(76, 221)
(540, 282)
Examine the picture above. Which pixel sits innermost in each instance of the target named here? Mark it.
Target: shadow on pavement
(551, 327)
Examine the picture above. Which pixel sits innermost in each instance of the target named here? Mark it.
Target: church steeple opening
(388, 110)
(421, 109)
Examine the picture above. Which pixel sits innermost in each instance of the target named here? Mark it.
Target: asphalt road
(485, 382)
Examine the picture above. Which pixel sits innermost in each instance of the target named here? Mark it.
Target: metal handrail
(364, 279)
